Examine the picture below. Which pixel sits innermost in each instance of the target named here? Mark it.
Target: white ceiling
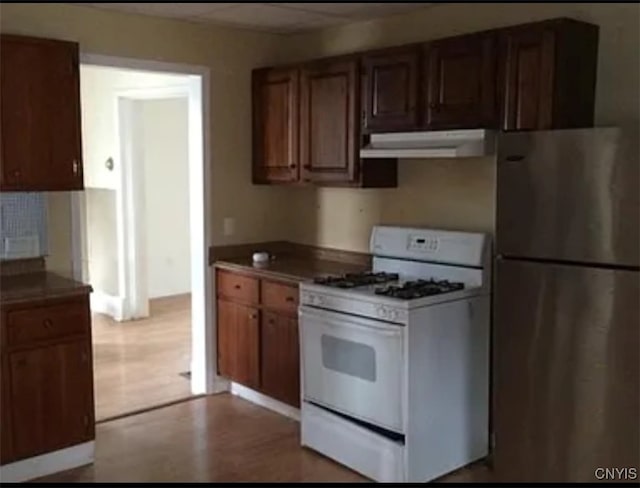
(271, 17)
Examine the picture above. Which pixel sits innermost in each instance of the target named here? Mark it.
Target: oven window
(348, 357)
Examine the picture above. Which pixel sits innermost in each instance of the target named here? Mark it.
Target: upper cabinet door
(548, 75)
(391, 90)
(460, 77)
(40, 115)
(527, 61)
(275, 125)
(329, 121)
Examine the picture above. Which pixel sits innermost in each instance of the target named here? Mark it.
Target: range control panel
(423, 243)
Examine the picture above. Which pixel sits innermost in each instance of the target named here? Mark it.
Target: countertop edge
(266, 273)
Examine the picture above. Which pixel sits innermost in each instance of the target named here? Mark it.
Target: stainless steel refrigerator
(566, 305)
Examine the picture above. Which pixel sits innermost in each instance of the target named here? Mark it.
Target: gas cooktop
(353, 280)
(419, 289)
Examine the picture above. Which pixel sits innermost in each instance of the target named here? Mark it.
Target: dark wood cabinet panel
(460, 78)
(391, 89)
(238, 343)
(280, 358)
(40, 115)
(6, 452)
(329, 121)
(548, 75)
(51, 398)
(527, 61)
(275, 125)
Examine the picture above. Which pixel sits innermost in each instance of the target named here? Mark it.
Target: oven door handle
(337, 321)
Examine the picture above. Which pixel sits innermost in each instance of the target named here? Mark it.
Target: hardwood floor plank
(137, 364)
(218, 438)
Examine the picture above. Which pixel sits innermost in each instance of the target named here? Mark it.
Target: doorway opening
(140, 232)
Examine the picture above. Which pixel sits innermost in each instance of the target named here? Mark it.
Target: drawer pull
(237, 287)
(47, 323)
(253, 316)
(289, 299)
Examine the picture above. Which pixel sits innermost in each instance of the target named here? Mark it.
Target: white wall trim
(204, 377)
(45, 464)
(111, 305)
(265, 401)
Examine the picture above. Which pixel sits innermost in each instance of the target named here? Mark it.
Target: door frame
(204, 377)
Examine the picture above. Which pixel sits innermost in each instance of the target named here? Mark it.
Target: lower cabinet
(239, 343)
(280, 358)
(50, 406)
(47, 378)
(257, 335)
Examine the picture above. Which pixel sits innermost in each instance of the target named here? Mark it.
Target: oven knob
(382, 311)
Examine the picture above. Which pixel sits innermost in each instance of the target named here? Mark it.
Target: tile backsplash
(23, 225)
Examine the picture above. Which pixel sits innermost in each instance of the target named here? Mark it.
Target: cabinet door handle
(237, 287)
(75, 166)
(48, 323)
(253, 316)
(289, 299)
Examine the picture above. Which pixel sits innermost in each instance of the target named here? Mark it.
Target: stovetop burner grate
(419, 289)
(353, 280)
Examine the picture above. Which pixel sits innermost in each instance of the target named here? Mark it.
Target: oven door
(354, 366)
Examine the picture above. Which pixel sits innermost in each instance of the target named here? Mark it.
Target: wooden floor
(137, 364)
(220, 438)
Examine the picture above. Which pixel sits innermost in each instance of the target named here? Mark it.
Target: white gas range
(395, 362)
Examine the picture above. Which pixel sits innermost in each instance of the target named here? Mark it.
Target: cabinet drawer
(280, 296)
(240, 287)
(47, 322)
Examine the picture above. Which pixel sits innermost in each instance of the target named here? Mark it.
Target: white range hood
(431, 144)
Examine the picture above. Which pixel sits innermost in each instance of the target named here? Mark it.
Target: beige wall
(59, 258)
(166, 165)
(230, 54)
(101, 240)
(453, 194)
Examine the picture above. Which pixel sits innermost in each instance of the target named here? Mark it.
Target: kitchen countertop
(41, 285)
(290, 267)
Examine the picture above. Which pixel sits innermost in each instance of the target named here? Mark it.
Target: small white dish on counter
(260, 257)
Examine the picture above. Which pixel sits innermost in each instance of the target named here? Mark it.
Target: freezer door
(569, 195)
(566, 391)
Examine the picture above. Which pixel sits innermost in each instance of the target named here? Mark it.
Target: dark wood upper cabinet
(275, 130)
(40, 115)
(548, 75)
(460, 82)
(329, 123)
(280, 357)
(391, 89)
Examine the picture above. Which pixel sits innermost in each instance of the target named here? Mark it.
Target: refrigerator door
(569, 195)
(566, 391)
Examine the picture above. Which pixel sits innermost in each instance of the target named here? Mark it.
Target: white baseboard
(107, 304)
(45, 464)
(265, 401)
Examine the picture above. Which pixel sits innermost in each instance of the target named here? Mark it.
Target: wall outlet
(229, 226)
